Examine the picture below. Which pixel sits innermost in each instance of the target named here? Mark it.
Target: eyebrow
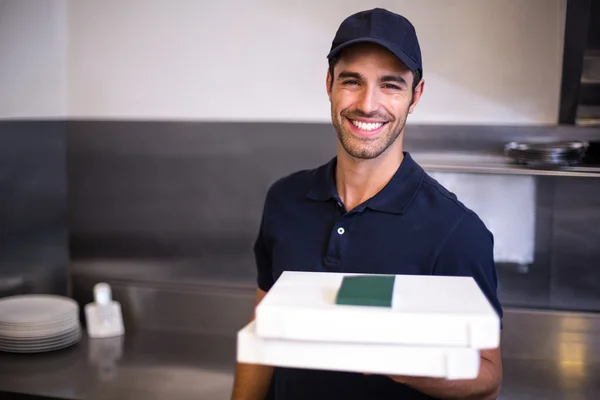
(394, 78)
(386, 78)
(348, 74)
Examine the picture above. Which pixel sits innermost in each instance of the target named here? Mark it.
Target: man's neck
(358, 180)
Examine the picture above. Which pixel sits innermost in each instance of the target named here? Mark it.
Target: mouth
(366, 128)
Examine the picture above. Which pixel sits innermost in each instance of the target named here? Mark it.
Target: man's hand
(485, 387)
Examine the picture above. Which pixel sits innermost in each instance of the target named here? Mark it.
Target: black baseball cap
(383, 27)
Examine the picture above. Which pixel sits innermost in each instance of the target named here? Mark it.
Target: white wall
(33, 59)
(486, 62)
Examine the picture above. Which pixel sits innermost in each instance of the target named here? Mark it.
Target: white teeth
(367, 126)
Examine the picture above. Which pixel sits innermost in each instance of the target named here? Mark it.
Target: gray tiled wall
(33, 208)
(180, 202)
(575, 282)
(176, 191)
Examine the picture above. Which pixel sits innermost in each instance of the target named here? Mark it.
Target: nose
(368, 101)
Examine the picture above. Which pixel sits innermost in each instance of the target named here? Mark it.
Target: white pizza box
(372, 358)
(426, 310)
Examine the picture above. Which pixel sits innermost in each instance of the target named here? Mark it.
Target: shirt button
(341, 231)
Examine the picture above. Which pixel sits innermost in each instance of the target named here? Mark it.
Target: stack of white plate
(435, 327)
(38, 323)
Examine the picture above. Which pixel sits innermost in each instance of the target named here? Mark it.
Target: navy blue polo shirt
(412, 226)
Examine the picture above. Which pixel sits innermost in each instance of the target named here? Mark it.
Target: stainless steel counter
(145, 365)
(547, 355)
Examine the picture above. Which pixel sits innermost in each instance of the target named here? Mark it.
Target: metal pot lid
(548, 154)
(548, 147)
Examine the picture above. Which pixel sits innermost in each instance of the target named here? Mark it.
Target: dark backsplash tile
(163, 188)
(168, 191)
(529, 286)
(186, 190)
(576, 245)
(33, 207)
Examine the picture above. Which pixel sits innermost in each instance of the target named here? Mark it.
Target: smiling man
(371, 209)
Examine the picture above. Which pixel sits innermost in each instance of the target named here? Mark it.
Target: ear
(328, 83)
(417, 95)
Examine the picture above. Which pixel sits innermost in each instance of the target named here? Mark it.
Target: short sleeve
(262, 256)
(469, 251)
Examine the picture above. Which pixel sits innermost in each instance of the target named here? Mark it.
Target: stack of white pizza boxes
(435, 326)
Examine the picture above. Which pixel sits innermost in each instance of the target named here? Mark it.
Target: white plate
(39, 327)
(42, 342)
(42, 347)
(35, 341)
(36, 309)
(37, 346)
(44, 339)
(27, 325)
(39, 333)
(387, 359)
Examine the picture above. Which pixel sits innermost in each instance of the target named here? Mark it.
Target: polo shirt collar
(394, 198)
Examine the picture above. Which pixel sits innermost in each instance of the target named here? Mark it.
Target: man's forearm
(485, 387)
(251, 382)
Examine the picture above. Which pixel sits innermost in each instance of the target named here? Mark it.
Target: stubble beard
(366, 148)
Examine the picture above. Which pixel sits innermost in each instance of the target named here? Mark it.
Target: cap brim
(408, 61)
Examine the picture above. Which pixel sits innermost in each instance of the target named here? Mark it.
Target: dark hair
(334, 60)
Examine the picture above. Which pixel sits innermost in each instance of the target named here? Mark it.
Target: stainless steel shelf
(494, 164)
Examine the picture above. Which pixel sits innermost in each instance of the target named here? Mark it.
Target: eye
(350, 82)
(391, 86)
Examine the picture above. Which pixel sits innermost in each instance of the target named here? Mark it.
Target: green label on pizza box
(366, 290)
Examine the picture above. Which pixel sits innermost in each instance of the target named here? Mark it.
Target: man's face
(371, 95)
